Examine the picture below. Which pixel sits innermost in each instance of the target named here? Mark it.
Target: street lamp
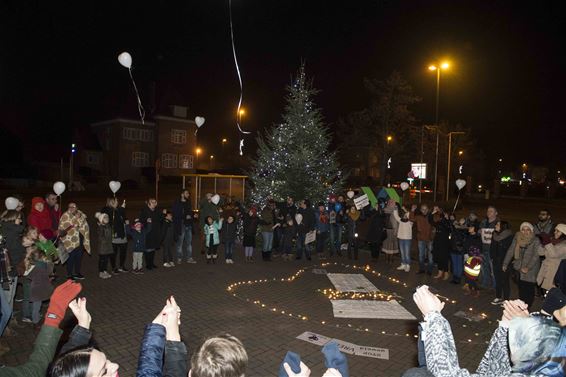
(71, 167)
(389, 139)
(460, 153)
(211, 161)
(198, 152)
(449, 160)
(437, 67)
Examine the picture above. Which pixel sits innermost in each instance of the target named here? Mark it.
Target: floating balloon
(125, 59)
(350, 194)
(199, 121)
(298, 218)
(114, 186)
(460, 183)
(215, 199)
(11, 203)
(404, 186)
(338, 207)
(59, 188)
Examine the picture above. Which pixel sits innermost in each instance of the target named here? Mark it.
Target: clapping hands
(514, 309)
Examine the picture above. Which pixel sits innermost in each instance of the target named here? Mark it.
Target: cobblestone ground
(122, 305)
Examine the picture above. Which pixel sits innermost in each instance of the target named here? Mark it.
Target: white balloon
(298, 218)
(59, 188)
(350, 194)
(11, 203)
(460, 183)
(199, 121)
(404, 186)
(114, 186)
(215, 199)
(125, 59)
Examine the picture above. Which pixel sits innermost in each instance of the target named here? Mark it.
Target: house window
(146, 135)
(185, 161)
(169, 160)
(92, 159)
(178, 136)
(131, 133)
(140, 159)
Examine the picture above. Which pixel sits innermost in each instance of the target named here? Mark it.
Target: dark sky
(58, 67)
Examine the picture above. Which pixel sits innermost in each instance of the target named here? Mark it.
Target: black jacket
(376, 226)
(182, 215)
(117, 217)
(153, 239)
(168, 236)
(228, 233)
(12, 234)
(309, 218)
(498, 248)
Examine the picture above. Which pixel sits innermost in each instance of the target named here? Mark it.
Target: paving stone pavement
(123, 305)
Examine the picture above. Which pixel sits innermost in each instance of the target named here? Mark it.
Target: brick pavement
(122, 305)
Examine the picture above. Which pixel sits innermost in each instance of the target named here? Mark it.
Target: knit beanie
(527, 225)
(554, 300)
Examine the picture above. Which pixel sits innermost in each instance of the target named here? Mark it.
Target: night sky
(58, 67)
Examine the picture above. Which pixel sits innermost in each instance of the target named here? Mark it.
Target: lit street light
(198, 152)
(460, 153)
(211, 162)
(437, 68)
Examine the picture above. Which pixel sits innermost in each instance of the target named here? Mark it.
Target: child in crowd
(251, 222)
(212, 238)
(322, 229)
(472, 247)
(168, 239)
(104, 244)
(138, 233)
(38, 268)
(289, 234)
(229, 238)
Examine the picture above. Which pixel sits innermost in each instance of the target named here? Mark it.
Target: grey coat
(529, 258)
(104, 238)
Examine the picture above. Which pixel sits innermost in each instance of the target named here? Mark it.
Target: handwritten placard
(374, 352)
(310, 237)
(361, 201)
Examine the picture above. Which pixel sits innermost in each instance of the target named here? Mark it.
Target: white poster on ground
(314, 338)
(376, 353)
(351, 283)
(345, 347)
(370, 309)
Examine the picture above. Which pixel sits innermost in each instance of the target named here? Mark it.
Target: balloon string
(239, 75)
(457, 199)
(141, 110)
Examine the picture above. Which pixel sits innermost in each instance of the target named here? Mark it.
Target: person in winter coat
(267, 221)
(524, 254)
(153, 238)
(117, 216)
(521, 346)
(38, 270)
(54, 210)
(322, 229)
(183, 224)
(139, 234)
(473, 256)
(459, 234)
(104, 244)
(228, 236)
(390, 244)
(168, 240)
(487, 227)
(352, 216)
(251, 222)
(211, 233)
(289, 234)
(405, 237)
(309, 221)
(11, 229)
(40, 218)
(423, 221)
(376, 232)
(554, 252)
(75, 236)
(302, 231)
(500, 243)
(441, 245)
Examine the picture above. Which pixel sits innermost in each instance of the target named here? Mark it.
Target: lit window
(140, 159)
(169, 160)
(178, 136)
(185, 161)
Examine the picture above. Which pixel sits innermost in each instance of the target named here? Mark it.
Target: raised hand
(305, 371)
(426, 301)
(78, 307)
(514, 309)
(331, 372)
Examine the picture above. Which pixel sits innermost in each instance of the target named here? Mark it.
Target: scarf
(522, 242)
(500, 236)
(354, 214)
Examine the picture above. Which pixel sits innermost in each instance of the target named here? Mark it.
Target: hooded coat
(554, 254)
(528, 258)
(41, 220)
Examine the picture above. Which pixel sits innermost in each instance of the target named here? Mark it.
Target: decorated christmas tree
(293, 157)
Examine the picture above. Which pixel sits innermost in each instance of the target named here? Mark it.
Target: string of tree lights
(333, 294)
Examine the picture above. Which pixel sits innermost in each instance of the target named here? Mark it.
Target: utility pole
(449, 160)
(71, 158)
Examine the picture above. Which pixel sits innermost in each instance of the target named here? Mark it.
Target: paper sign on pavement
(376, 353)
(370, 309)
(311, 337)
(351, 283)
(346, 347)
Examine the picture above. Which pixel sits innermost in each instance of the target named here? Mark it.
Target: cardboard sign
(310, 237)
(361, 201)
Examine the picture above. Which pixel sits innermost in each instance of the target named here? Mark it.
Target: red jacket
(41, 220)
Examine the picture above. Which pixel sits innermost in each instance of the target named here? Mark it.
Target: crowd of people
(476, 253)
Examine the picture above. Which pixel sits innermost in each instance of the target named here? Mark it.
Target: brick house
(131, 150)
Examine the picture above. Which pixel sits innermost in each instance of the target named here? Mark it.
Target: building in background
(132, 151)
